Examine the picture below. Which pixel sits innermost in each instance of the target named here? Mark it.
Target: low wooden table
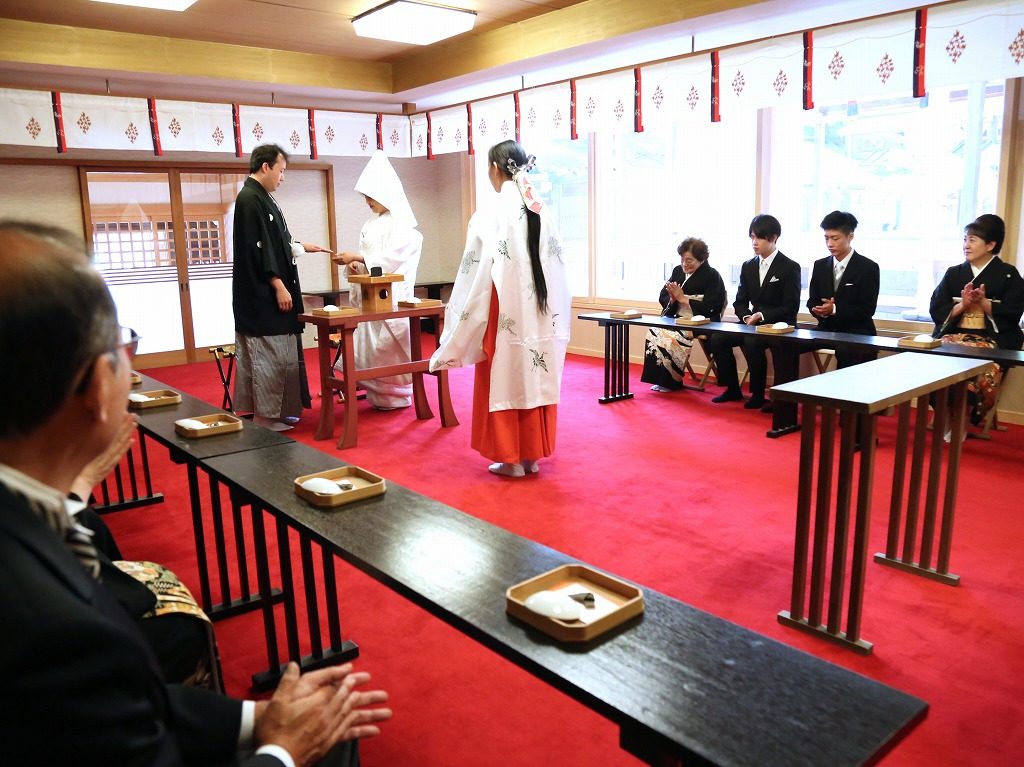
(859, 394)
(329, 382)
(158, 424)
(680, 683)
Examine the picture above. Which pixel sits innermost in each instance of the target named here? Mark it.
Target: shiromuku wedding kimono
(493, 321)
(388, 240)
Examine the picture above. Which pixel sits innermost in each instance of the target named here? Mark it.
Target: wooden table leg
(349, 432)
(325, 428)
(419, 394)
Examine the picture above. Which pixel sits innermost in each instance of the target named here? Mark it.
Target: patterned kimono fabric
(983, 391)
(666, 353)
(174, 598)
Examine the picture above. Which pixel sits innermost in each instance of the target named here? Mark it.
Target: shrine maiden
(509, 315)
(389, 239)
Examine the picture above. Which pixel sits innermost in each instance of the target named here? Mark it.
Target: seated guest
(83, 685)
(694, 289)
(178, 631)
(769, 292)
(844, 287)
(979, 303)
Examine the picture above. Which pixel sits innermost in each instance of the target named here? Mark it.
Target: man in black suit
(769, 292)
(844, 287)
(81, 683)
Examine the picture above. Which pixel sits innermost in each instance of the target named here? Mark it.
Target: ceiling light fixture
(159, 5)
(413, 22)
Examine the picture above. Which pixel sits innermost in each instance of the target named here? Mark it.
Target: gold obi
(972, 321)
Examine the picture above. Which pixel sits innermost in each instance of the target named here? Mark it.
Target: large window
(913, 171)
(656, 188)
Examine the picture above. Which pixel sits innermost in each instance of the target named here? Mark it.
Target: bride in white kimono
(389, 240)
(509, 315)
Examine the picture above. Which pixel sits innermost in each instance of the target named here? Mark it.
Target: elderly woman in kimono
(389, 240)
(979, 303)
(509, 315)
(694, 289)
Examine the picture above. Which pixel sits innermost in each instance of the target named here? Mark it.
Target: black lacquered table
(680, 683)
(858, 395)
(158, 424)
(786, 350)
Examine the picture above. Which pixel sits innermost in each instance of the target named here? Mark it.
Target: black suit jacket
(81, 685)
(856, 297)
(1002, 282)
(705, 281)
(778, 299)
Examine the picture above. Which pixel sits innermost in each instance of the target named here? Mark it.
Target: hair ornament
(514, 167)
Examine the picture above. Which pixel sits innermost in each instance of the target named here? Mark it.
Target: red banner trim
(716, 115)
(58, 122)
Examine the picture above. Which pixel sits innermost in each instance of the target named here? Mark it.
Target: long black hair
(500, 154)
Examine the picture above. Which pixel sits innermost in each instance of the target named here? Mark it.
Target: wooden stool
(710, 370)
(823, 358)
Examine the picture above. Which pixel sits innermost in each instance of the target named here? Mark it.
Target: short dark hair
(56, 316)
(696, 248)
(990, 228)
(265, 153)
(841, 220)
(765, 227)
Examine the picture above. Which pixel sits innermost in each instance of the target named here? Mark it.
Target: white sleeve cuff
(247, 725)
(277, 751)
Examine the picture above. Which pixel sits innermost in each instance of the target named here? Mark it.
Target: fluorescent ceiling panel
(415, 23)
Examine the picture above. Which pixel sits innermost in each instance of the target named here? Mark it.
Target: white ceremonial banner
(677, 90)
(494, 121)
(395, 134)
(766, 74)
(26, 118)
(345, 134)
(288, 128)
(544, 114)
(449, 130)
(187, 126)
(864, 59)
(974, 42)
(605, 103)
(106, 122)
(418, 135)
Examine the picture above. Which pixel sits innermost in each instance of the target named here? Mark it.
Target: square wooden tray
(421, 304)
(768, 329)
(136, 379)
(615, 602)
(341, 311)
(691, 322)
(216, 423)
(366, 484)
(629, 314)
(157, 398)
(909, 342)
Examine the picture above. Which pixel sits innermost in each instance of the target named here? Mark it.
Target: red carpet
(682, 496)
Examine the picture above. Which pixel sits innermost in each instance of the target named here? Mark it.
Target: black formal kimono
(262, 250)
(1003, 284)
(777, 299)
(856, 298)
(270, 377)
(666, 351)
(81, 684)
(1005, 287)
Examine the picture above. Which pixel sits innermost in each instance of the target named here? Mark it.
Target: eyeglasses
(128, 340)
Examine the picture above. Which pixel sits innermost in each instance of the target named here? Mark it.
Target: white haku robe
(526, 371)
(395, 248)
